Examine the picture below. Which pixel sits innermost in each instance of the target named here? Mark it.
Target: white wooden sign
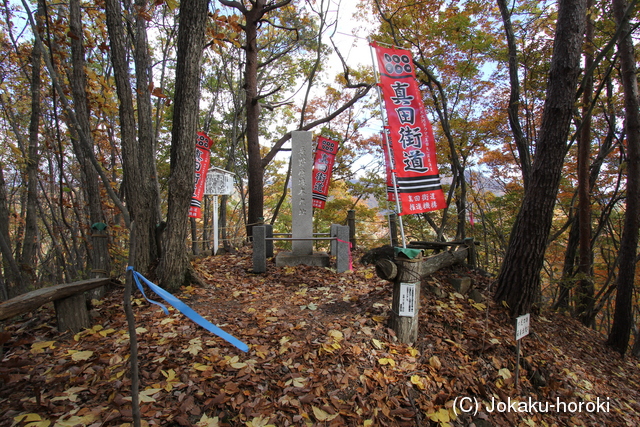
(219, 182)
(522, 326)
(407, 306)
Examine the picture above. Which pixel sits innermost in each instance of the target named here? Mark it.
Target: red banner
(412, 143)
(322, 168)
(203, 154)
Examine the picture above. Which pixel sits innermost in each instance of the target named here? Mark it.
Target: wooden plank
(34, 299)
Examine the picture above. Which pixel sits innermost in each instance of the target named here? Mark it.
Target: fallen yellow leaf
(387, 361)
(39, 347)
(322, 415)
(417, 381)
(82, 355)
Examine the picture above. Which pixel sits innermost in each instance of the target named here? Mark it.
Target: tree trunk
(174, 264)
(585, 286)
(519, 278)
(14, 283)
(623, 315)
(146, 134)
(137, 157)
(98, 256)
(514, 99)
(252, 106)
(28, 258)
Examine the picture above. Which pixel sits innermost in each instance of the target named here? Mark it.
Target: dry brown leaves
(320, 354)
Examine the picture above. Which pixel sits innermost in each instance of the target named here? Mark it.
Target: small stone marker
(343, 252)
(259, 249)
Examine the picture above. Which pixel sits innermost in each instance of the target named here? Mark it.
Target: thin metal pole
(387, 139)
(517, 364)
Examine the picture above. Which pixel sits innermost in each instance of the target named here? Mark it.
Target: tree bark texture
(585, 287)
(28, 258)
(174, 264)
(12, 273)
(623, 316)
(406, 327)
(98, 254)
(519, 278)
(137, 156)
(252, 106)
(146, 133)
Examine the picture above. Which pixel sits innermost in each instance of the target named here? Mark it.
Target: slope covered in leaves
(320, 354)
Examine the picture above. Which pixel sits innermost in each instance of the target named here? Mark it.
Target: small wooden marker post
(406, 299)
(522, 330)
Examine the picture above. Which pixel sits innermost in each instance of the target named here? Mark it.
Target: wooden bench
(69, 300)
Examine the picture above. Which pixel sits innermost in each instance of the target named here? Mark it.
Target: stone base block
(289, 259)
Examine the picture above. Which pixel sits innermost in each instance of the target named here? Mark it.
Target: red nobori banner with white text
(322, 168)
(203, 154)
(412, 143)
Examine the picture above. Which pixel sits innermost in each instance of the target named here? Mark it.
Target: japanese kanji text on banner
(203, 153)
(413, 151)
(322, 168)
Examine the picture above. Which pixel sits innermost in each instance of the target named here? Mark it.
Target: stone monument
(301, 206)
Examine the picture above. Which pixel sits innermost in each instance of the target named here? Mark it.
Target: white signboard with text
(219, 182)
(407, 306)
(522, 326)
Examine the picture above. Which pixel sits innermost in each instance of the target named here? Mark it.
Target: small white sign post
(219, 183)
(522, 330)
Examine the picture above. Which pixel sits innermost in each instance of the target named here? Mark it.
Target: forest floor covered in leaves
(320, 355)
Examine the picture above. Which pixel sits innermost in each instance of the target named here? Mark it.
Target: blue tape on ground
(186, 310)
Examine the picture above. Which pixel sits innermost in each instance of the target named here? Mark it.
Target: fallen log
(387, 269)
(34, 299)
(442, 260)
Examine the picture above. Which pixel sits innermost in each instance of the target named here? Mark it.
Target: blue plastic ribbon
(186, 310)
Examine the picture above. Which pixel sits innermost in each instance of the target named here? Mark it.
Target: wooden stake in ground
(406, 299)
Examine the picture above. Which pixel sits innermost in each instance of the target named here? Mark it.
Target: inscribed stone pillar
(301, 192)
(259, 249)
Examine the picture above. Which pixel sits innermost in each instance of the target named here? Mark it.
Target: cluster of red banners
(203, 155)
(322, 168)
(413, 153)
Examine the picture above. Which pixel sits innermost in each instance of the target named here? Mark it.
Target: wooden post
(405, 302)
(101, 261)
(393, 229)
(351, 222)
(471, 256)
(72, 313)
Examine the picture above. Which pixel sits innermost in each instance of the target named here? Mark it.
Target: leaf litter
(321, 354)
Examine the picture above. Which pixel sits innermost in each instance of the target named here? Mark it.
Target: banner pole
(385, 135)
